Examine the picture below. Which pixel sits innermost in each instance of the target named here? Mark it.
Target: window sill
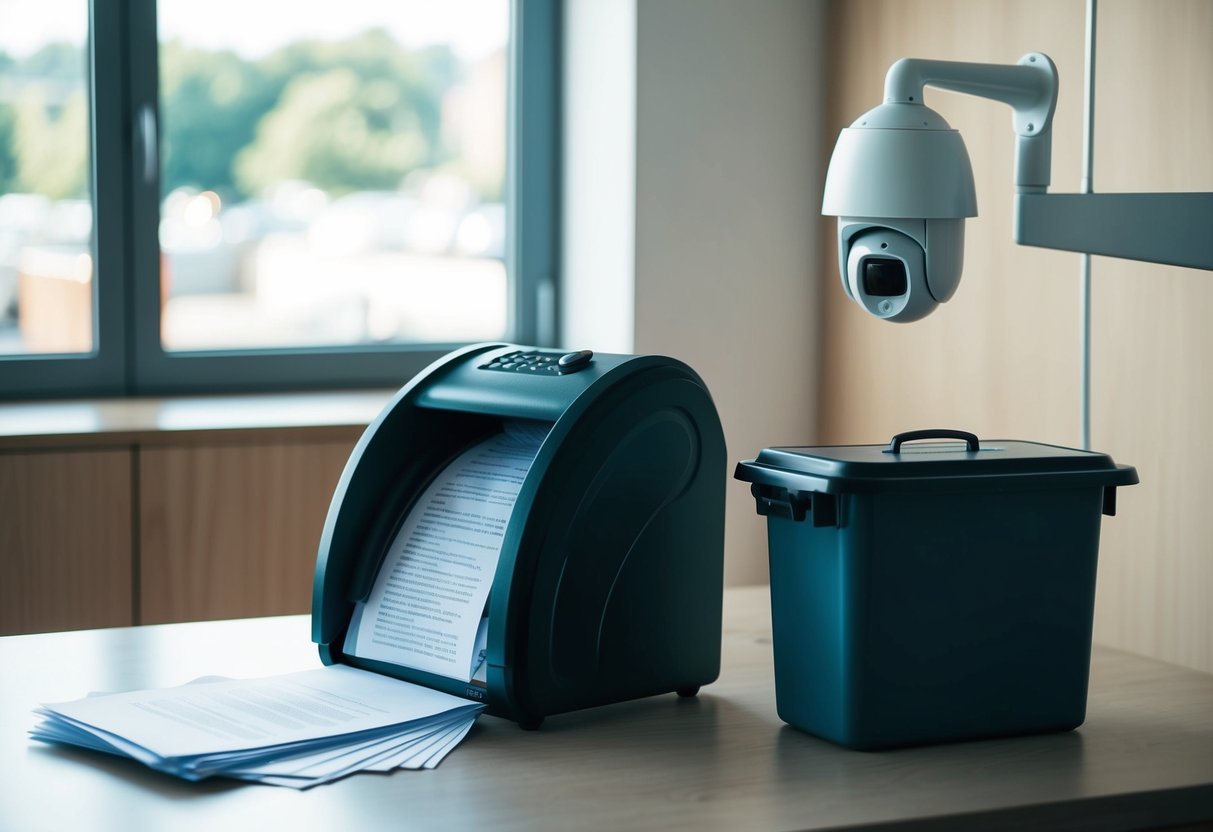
(102, 422)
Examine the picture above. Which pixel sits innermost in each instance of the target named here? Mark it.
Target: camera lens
(884, 277)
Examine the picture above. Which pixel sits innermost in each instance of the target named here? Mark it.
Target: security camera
(900, 269)
(901, 185)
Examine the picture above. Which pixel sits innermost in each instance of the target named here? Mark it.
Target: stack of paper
(297, 730)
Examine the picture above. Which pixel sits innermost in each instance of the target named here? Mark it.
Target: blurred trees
(338, 132)
(358, 114)
(44, 123)
(351, 115)
(210, 103)
(50, 144)
(8, 150)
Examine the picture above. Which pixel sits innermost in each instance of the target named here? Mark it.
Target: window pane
(46, 213)
(332, 178)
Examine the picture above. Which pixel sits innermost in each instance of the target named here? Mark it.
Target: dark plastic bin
(932, 592)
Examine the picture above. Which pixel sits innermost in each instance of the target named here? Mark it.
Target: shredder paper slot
(425, 607)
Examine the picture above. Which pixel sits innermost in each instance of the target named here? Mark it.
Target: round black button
(571, 362)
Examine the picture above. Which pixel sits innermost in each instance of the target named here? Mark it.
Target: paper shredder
(609, 582)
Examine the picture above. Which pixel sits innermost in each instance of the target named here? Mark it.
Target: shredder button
(571, 362)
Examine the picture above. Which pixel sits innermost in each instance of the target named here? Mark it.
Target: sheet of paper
(428, 598)
(232, 710)
(224, 718)
(435, 754)
(313, 764)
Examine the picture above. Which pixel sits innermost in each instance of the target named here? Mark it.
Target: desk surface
(724, 760)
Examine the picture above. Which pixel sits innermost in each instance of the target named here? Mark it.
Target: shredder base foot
(688, 692)
(530, 724)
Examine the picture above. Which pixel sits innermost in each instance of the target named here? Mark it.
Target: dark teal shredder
(608, 584)
(935, 591)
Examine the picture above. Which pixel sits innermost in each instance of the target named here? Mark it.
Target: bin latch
(774, 500)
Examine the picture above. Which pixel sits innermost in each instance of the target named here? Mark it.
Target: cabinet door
(230, 531)
(65, 540)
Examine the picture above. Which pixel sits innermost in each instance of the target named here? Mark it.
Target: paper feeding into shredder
(536, 530)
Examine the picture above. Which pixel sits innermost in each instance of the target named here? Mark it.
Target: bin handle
(972, 445)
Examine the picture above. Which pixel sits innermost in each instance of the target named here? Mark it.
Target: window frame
(128, 358)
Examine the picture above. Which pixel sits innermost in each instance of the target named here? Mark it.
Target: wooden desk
(722, 761)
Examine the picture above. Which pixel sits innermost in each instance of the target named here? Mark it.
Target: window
(46, 209)
(309, 198)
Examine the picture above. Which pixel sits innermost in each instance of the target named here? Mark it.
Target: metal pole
(1087, 187)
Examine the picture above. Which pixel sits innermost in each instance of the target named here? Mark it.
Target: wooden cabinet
(147, 511)
(152, 533)
(65, 540)
(230, 531)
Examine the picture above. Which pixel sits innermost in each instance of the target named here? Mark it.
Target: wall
(1002, 358)
(599, 175)
(714, 256)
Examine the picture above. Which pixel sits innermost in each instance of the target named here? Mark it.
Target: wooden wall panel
(230, 531)
(1152, 379)
(1002, 358)
(65, 540)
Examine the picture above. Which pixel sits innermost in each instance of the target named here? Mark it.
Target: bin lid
(907, 462)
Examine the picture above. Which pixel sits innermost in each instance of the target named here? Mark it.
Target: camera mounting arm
(1171, 228)
(1030, 87)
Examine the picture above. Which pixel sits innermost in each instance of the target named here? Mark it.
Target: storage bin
(932, 592)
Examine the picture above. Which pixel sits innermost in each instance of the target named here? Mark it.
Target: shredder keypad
(534, 363)
(541, 362)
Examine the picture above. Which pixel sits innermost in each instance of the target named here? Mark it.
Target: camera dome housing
(901, 184)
